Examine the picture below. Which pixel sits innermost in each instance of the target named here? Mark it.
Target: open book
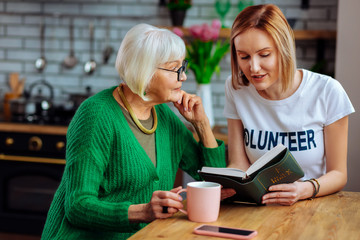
(258, 164)
(276, 166)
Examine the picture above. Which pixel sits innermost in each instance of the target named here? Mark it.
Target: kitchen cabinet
(32, 161)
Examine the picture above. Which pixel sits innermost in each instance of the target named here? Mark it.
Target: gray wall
(19, 38)
(347, 71)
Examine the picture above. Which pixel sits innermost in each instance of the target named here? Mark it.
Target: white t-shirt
(297, 121)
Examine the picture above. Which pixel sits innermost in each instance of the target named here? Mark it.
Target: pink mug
(203, 201)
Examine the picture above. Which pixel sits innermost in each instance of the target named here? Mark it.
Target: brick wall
(20, 42)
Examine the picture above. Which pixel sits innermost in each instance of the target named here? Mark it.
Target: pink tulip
(215, 34)
(178, 32)
(203, 38)
(195, 31)
(206, 33)
(216, 24)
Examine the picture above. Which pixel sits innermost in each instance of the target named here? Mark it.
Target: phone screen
(225, 230)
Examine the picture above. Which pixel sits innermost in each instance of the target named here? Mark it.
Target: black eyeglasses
(180, 71)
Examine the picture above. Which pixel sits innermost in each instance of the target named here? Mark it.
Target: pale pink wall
(347, 71)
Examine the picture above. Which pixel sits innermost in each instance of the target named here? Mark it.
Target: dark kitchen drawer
(33, 145)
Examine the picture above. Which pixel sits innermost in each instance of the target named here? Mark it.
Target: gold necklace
(132, 114)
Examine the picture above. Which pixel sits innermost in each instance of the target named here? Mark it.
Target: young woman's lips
(258, 77)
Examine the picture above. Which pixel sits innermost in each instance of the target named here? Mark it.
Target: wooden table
(335, 216)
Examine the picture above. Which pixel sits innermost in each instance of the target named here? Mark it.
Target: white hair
(143, 49)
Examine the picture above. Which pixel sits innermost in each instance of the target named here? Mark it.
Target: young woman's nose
(255, 65)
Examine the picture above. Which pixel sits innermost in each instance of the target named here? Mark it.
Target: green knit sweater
(107, 170)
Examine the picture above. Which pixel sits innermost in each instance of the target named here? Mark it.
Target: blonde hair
(271, 20)
(142, 50)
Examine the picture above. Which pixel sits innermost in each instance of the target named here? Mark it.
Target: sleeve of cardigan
(195, 155)
(87, 156)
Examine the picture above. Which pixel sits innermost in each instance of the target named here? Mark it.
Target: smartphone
(226, 232)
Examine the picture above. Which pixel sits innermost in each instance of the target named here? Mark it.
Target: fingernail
(180, 198)
(179, 101)
(185, 109)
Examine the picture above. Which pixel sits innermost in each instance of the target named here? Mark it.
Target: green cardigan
(107, 170)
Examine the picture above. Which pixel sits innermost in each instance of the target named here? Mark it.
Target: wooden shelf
(32, 128)
(314, 34)
(318, 35)
(299, 34)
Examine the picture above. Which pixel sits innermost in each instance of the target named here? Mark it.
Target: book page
(264, 159)
(234, 172)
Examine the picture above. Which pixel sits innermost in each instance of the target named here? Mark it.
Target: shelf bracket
(305, 4)
(162, 3)
(320, 55)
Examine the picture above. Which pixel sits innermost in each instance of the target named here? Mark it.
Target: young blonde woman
(269, 101)
(125, 145)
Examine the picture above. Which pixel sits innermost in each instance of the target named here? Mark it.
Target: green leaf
(204, 58)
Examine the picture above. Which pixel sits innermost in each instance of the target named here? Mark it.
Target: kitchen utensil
(34, 107)
(16, 107)
(20, 87)
(90, 65)
(42, 83)
(13, 81)
(70, 61)
(40, 63)
(7, 107)
(108, 49)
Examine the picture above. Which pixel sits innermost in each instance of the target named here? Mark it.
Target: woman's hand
(160, 199)
(190, 107)
(288, 194)
(227, 192)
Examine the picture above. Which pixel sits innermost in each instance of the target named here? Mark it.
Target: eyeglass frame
(181, 69)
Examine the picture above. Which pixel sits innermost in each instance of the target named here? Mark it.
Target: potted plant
(204, 53)
(178, 10)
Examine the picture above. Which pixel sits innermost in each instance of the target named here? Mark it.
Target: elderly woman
(124, 145)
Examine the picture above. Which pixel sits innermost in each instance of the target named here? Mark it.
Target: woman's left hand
(284, 194)
(190, 107)
(227, 192)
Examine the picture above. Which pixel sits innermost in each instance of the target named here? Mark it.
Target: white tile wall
(22, 7)
(20, 42)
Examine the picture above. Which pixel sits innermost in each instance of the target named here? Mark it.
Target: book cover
(280, 168)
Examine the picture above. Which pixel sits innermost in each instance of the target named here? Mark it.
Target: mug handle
(180, 191)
